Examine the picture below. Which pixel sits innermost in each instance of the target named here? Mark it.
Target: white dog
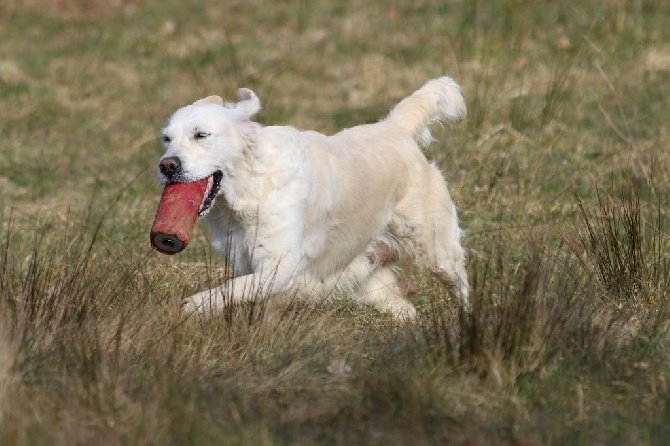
(300, 213)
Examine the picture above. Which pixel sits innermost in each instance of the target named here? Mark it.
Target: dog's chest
(231, 239)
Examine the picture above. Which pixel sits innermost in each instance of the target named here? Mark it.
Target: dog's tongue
(176, 216)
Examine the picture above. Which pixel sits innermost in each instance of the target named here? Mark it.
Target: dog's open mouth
(180, 206)
(212, 190)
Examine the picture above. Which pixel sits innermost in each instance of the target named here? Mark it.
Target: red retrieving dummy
(176, 216)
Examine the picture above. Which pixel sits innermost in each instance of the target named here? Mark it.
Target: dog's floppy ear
(249, 102)
(211, 99)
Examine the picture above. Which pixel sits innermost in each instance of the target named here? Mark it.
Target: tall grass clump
(626, 247)
(524, 313)
(607, 287)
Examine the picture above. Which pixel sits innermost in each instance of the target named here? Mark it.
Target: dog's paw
(189, 305)
(203, 303)
(403, 311)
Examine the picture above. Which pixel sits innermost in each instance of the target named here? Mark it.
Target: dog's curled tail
(439, 100)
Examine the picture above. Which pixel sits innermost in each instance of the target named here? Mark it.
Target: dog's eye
(166, 139)
(201, 135)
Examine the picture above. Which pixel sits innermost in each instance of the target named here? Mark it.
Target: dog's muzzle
(171, 168)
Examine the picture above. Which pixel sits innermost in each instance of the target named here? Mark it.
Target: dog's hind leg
(450, 266)
(381, 291)
(444, 255)
(432, 236)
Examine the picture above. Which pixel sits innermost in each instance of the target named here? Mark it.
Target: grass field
(561, 174)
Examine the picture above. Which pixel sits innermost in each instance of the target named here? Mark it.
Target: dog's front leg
(251, 287)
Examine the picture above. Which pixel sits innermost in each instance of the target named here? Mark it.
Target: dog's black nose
(170, 166)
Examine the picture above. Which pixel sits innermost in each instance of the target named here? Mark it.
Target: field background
(560, 173)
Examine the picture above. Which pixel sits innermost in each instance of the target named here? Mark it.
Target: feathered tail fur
(439, 100)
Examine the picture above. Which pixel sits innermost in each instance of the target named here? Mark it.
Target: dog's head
(207, 139)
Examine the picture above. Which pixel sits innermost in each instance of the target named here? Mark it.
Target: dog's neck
(265, 165)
